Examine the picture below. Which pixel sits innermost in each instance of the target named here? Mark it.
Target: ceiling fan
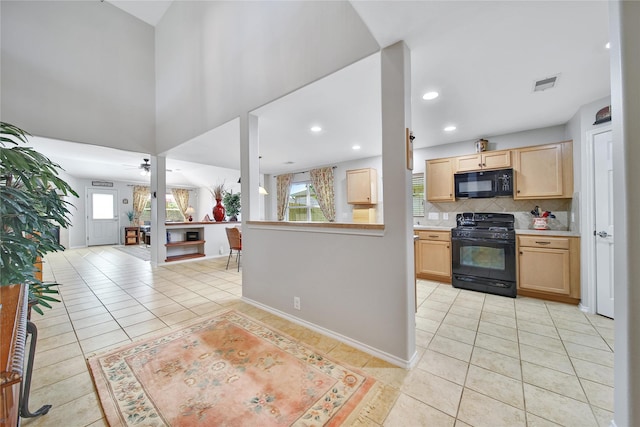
(145, 168)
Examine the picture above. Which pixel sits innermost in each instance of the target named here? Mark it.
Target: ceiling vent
(544, 84)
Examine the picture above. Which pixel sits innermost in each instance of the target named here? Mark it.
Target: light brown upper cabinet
(362, 186)
(440, 180)
(544, 171)
(486, 160)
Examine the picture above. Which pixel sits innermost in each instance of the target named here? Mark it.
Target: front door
(102, 218)
(603, 198)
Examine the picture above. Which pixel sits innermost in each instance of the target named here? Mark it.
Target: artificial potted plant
(32, 206)
(232, 205)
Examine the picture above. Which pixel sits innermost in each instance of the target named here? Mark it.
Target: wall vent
(544, 84)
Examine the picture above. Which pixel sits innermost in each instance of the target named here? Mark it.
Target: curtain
(140, 197)
(322, 180)
(181, 196)
(284, 187)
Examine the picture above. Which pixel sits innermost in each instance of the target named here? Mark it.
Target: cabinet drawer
(544, 242)
(434, 235)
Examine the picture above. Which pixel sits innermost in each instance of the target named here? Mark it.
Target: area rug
(229, 370)
(138, 251)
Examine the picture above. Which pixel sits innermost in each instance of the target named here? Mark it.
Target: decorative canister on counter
(481, 145)
(540, 223)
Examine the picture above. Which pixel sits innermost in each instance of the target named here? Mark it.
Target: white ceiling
(482, 56)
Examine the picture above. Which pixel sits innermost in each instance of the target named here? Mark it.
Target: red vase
(218, 211)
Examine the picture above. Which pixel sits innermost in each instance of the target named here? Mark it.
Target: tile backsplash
(521, 209)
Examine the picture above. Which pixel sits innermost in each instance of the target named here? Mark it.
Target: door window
(102, 206)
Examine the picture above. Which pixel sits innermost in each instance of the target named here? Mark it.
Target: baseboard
(584, 308)
(406, 364)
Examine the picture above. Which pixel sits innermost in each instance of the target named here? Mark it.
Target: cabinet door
(434, 258)
(486, 160)
(496, 159)
(362, 186)
(472, 162)
(440, 180)
(539, 172)
(545, 270)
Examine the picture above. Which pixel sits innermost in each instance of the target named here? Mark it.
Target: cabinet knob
(521, 253)
(484, 164)
(518, 191)
(479, 165)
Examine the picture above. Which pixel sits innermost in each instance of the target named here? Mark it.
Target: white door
(102, 218)
(603, 233)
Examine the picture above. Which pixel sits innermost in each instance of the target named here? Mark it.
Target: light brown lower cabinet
(549, 268)
(433, 255)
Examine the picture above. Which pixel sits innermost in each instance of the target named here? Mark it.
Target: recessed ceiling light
(450, 128)
(316, 129)
(430, 95)
(608, 45)
(356, 147)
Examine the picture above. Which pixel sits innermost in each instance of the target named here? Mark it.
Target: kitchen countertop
(560, 233)
(431, 227)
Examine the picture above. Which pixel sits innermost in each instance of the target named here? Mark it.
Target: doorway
(599, 229)
(102, 218)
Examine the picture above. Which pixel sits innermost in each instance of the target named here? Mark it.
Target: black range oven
(483, 254)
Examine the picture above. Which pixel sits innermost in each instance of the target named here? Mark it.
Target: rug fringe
(359, 416)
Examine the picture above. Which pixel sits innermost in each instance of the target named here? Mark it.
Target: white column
(249, 167)
(158, 190)
(396, 181)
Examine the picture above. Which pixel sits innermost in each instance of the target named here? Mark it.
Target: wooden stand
(131, 235)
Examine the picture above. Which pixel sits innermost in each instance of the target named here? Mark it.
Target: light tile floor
(483, 360)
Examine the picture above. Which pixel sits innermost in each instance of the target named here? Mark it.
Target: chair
(235, 242)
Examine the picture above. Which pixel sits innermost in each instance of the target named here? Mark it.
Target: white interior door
(102, 218)
(603, 198)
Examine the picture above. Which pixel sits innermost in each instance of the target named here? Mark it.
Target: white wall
(217, 60)
(625, 86)
(78, 71)
(496, 142)
(577, 128)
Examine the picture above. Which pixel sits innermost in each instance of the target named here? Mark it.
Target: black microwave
(478, 184)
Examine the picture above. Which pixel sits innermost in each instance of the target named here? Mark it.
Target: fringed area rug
(229, 370)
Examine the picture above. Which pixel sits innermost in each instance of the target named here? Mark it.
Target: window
(103, 206)
(418, 194)
(303, 205)
(172, 211)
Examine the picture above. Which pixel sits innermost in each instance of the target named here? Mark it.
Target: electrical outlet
(445, 216)
(573, 217)
(221, 250)
(296, 303)
(433, 216)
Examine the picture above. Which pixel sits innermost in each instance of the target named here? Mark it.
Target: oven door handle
(474, 240)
